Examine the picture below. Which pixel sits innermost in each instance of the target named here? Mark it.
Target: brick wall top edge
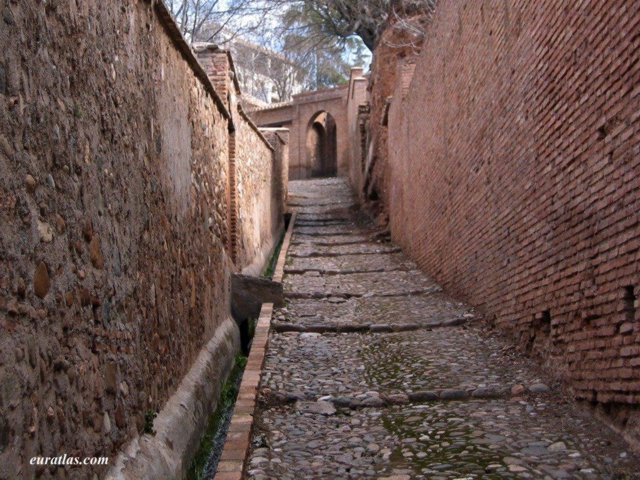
(212, 47)
(278, 106)
(324, 91)
(277, 132)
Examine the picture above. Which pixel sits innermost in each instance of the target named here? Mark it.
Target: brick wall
(256, 168)
(298, 116)
(114, 217)
(396, 49)
(217, 63)
(513, 176)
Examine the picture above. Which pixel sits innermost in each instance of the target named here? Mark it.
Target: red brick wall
(513, 169)
(215, 62)
(297, 116)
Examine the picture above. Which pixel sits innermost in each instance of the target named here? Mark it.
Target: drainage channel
(207, 459)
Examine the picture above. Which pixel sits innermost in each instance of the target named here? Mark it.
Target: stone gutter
(179, 425)
(236, 447)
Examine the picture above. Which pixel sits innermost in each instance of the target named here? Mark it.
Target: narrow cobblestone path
(373, 372)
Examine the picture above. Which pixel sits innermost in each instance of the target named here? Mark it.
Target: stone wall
(257, 168)
(279, 139)
(114, 194)
(261, 211)
(513, 169)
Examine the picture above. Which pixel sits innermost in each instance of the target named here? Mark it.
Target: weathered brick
(510, 175)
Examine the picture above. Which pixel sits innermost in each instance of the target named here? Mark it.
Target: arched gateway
(318, 127)
(321, 158)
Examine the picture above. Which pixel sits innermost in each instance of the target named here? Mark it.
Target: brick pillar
(232, 204)
(406, 75)
(217, 66)
(364, 111)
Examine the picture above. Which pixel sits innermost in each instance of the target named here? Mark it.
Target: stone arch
(321, 145)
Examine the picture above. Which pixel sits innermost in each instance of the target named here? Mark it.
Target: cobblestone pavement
(373, 372)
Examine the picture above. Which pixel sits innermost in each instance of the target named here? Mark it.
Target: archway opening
(322, 158)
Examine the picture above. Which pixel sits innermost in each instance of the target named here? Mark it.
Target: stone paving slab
(324, 193)
(450, 440)
(315, 365)
(308, 204)
(315, 250)
(350, 263)
(314, 285)
(321, 223)
(343, 215)
(310, 200)
(423, 310)
(323, 187)
(328, 240)
(338, 200)
(328, 230)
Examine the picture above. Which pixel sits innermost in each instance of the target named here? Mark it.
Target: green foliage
(212, 433)
(253, 323)
(270, 268)
(149, 417)
(340, 20)
(241, 361)
(307, 41)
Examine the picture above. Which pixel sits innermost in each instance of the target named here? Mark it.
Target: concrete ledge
(182, 421)
(248, 293)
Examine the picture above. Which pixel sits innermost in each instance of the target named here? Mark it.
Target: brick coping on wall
(236, 447)
(173, 32)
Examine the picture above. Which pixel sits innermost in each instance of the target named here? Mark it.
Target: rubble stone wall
(261, 210)
(114, 218)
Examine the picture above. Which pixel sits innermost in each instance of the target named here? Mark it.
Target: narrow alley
(373, 372)
(383, 239)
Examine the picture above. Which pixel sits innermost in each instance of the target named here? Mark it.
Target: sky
(270, 21)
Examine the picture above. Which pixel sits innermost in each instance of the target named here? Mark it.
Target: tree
(317, 39)
(321, 62)
(365, 18)
(204, 20)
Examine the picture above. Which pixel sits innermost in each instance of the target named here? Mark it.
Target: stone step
(350, 263)
(358, 284)
(422, 311)
(457, 358)
(369, 248)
